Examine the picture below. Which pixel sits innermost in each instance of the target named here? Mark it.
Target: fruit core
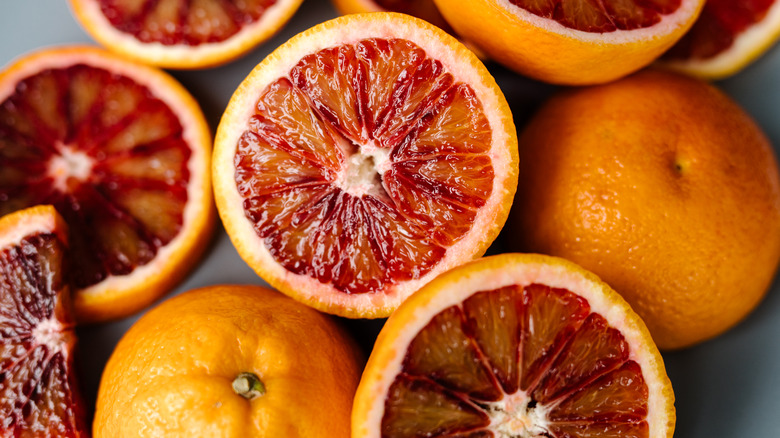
(189, 22)
(69, 167)
(514, 362)
(107, 153)
(364, 164)
(601, 16)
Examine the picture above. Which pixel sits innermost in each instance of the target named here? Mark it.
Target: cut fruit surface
(572, 41)
(726, 38)
(361, 158)
(180, 33)
(123, 152)
(514, 345)
(39, 395)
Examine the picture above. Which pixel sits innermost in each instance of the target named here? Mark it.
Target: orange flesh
(190, 22)
(364, 165)
(720, 22)
(36, 383)
(601, 15)
(107, 154)
(537, 355)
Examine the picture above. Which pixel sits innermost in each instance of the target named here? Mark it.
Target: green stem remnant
(249, 386)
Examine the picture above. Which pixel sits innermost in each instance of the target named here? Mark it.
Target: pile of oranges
(362, 170)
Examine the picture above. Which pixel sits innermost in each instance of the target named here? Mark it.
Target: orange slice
(123, 152)
(362, 158)
(183, 34)
(514, 346)
(726, 38)
(572, 41)
(39, 394)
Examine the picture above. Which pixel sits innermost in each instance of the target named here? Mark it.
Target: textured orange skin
(549, 56)
(171, 373)
(663, 187)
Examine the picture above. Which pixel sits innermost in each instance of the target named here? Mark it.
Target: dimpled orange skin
(663, 187)
(171, 373)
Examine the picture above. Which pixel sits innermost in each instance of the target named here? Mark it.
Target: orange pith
(388, 228)
(363, 163)
(38, 392)
(514, 345)
(94, 137)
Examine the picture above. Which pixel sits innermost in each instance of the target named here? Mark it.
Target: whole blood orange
(361, 158)
(514, 346)
(666, 189)
(572, 41)
(230, 361)
(39, 394)
(183, 34)
(727, 37)
(123, 152)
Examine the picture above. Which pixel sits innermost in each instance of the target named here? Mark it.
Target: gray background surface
(727, 387)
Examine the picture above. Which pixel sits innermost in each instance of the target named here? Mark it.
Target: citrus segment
(726, 37)
(573, 42)
(365, 155)
(557, 354)
(183, 34)
(39, 394)
(122, 153)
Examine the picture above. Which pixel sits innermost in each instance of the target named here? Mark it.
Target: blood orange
(184, 34)
(727, 37)
(514, 346)
(39, 395)
(363, 157)
(122, 152)
(572, 41)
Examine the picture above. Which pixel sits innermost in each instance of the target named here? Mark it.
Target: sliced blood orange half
(361, 158)
(514, 345)
(726, 38)
(572, 41)
(123, 152)
(183, 34)
(39, 395)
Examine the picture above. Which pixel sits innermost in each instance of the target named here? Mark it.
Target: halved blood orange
(572, 41)
(123, 152)
(514, 345)
(183, 34)
(726, 38)
(362, 158)
(39, 395)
